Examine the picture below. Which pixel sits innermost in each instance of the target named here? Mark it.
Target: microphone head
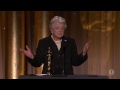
(65, 40)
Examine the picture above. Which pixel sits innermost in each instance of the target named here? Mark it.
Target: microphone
(64, 49)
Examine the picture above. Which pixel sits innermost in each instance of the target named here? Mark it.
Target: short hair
(59, 19)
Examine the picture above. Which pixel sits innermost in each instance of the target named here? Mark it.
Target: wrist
(32, 56)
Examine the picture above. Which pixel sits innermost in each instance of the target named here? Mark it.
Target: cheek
(54, 32)
(62, 32)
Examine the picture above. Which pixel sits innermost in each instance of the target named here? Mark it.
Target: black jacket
(61, 60)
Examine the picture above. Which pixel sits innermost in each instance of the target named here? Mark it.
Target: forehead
(58, 24)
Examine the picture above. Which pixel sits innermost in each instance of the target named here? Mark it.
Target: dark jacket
(61, 60)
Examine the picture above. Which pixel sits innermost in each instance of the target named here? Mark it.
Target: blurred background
(20, 28)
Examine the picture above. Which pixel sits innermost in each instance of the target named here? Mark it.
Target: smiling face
(57, 30)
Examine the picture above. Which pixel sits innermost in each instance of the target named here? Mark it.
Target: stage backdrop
(20, 28)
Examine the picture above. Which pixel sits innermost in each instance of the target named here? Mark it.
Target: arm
(38, 58)
(82, 57)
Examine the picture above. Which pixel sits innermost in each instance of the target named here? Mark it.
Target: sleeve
(77, 59)
(38, 58)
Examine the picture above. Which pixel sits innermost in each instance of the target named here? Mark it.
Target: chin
(60, 37)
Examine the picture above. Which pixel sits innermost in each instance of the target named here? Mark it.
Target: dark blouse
(61, 60)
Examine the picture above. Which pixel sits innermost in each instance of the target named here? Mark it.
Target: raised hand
(86, 47)
(27, 52)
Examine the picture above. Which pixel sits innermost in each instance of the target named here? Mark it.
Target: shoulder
(44, 40)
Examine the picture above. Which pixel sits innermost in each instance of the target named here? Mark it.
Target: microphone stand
(63, 73)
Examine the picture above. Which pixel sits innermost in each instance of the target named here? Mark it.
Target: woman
(63, 51)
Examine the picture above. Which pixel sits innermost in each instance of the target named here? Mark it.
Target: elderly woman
(63, 51)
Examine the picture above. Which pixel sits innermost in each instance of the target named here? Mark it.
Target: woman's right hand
(27, 52)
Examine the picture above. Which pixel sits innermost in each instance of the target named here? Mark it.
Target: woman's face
(58, 29)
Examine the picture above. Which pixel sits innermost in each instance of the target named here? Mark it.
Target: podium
(33, 76)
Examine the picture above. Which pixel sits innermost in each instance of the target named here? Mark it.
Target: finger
(89, 43)
(27, 47)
